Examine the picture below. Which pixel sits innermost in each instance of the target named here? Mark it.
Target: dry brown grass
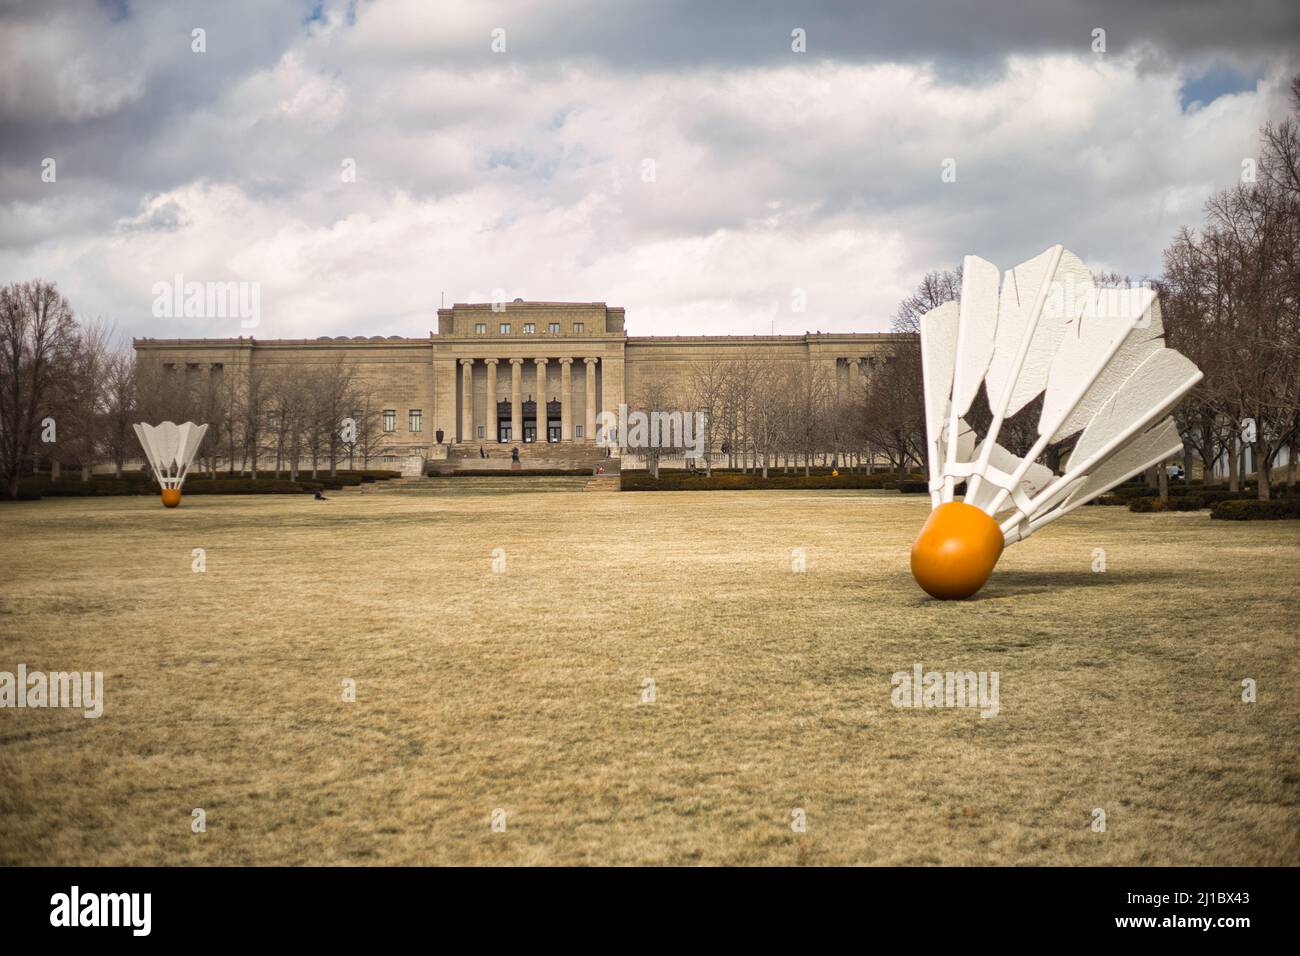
(522, 690)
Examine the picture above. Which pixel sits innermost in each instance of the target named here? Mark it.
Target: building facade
(515, 372)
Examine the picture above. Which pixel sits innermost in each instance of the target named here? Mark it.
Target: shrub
(1128, 492)
(1209, 498)
(25, 493)
(510, 472)
(249, 486)
(76, 488)
(1252, 509)
(1146, 505)
(732, 481)
(910, 487)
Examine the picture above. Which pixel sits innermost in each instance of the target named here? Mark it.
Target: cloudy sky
(677, 158)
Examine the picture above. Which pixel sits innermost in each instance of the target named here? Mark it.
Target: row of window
(530, 328)
(505, 432)
(414, 424)
(413, 420)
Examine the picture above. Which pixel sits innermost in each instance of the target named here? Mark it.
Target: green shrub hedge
(1128, 492)
(33, 489)
(1190, 502)
(731, 481)
(1146, 505)
(1252, 509)
(249, 486)
(509, 472)
(879, 479)
(76, 488)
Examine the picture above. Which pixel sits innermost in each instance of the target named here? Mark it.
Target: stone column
(516, 401)
(566, 391)
(466, 400)
(540, 408)
(589, 432)
(491, 430)
(853, 377)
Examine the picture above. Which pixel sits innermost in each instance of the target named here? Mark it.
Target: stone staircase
(532, 457)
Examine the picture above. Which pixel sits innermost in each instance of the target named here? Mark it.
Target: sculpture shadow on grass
(1010, 584)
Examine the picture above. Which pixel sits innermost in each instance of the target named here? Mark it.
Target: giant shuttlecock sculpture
(170, 448)
(1097, 358)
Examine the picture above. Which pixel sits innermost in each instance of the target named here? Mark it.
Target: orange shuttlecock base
(171, 497)
(956, 551)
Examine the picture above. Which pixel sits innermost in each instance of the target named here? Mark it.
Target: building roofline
(506, 306)
(347, 340)
(400, 341)
(803, 337)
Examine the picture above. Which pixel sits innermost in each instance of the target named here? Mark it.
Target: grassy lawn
(522, 690)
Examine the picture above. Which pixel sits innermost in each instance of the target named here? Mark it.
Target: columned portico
(541, 399)
(566, 400)
(516, 400)
(466, 400)
(589, 432)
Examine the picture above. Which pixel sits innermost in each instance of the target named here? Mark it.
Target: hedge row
(507, 473)
(1252, 509)
(1191, 502)
(76, 488)
(879, 474)
(35, 488)
(250, 486)
(683, 481)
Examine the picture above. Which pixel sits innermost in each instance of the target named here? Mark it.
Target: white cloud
(527, 175)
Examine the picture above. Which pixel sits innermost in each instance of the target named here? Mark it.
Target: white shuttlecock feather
(1097, 357)
(170, 449)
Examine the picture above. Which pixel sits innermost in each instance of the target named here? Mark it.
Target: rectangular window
(577, 431)
(480, 328)
(578, 328)
(413, 420)
(390, 419)
(553, 328)
(480, 431)
(529, 328)
(505, 328)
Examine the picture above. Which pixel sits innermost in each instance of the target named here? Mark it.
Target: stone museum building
(514, 373)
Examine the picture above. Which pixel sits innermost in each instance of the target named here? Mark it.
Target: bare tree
(120, 409)
(78, 395)
(934, 289)
(367, 415)
(36, 329)
(811, 402)
(707, 384)
(654, 396)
